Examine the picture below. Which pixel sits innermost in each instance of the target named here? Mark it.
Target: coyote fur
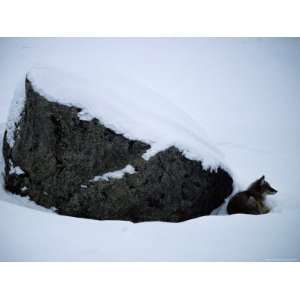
(252, 200)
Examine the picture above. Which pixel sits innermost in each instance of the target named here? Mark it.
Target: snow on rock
(16, 170)
(16, 109)
(128, 108)
(85, 116)
(115, 174)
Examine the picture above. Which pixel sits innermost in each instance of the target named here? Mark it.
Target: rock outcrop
(56, 155)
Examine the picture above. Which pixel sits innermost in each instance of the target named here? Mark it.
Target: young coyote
(251, 201)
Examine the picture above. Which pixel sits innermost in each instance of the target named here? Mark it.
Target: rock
(58, 155)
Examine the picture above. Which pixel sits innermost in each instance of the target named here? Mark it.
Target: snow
(16, 170)
(129, 169)
(34, 236)
(241, 93)
(16, 108)
(128, 107)
(85, 116)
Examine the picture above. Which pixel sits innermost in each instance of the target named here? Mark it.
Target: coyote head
(263, 187)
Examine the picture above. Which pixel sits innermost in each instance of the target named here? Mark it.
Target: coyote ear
(262, 179)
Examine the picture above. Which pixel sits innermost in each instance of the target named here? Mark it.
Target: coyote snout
(251, 201)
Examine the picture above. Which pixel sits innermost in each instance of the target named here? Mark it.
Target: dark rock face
(60, 154)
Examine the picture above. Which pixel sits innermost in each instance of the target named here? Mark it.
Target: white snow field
(229, 102)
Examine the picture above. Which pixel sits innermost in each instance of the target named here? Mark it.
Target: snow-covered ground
(243, 95)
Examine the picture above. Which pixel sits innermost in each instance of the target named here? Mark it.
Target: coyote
(252, 200)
